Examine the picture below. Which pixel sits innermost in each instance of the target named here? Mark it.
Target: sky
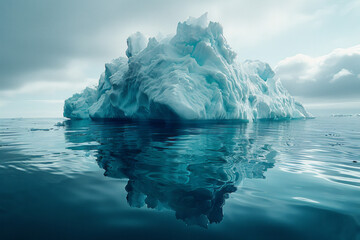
(51, 49)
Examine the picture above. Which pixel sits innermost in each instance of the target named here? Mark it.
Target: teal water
(198, 180)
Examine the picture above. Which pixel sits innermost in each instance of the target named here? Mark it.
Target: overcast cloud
(66, 43)
(334, 75)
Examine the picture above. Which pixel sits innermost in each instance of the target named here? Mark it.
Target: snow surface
(192, 75)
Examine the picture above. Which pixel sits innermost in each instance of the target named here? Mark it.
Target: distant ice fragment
(342, 115)
(59, 124)
(40, 129)
(192, 75)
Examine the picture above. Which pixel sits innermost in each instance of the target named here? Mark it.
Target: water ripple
(193, 168)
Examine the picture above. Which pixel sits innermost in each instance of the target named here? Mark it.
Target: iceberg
(190, 76)
(77, 107)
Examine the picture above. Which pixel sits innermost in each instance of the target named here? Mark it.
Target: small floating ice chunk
(40, 129)
(59, 124)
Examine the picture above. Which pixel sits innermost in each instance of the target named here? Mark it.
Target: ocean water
(197, 180)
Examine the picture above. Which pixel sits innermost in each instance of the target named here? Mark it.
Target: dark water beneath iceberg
(219, 180)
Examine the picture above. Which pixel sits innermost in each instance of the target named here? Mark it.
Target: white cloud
(342, 73)
(334, 75)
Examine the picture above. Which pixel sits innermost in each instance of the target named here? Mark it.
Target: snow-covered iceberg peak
(192, 75)
(136, 43)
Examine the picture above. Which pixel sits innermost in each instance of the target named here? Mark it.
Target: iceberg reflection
(188, 168)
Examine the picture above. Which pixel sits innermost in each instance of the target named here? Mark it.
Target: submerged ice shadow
(188, 168)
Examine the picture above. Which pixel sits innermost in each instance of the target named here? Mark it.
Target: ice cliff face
(192, 75)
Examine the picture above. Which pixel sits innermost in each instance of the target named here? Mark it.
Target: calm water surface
(200, 180)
